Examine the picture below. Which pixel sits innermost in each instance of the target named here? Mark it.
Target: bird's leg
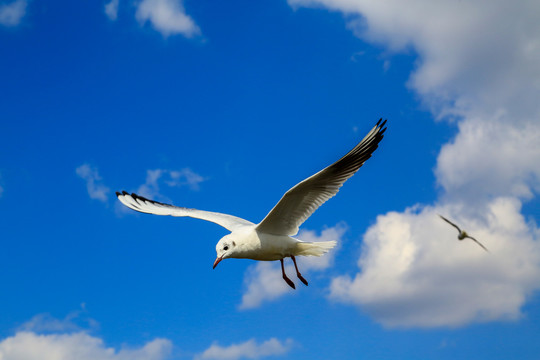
(287, 280)
(298, 272)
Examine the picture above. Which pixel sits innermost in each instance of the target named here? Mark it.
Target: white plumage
(272, 239)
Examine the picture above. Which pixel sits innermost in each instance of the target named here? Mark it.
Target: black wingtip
(380, 125)
(135, 196)
(118, 193)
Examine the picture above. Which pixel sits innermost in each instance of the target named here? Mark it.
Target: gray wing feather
(451, 223)
(301, 201)
(478, 242)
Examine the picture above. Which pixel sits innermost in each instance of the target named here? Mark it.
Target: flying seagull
(272, 239)
(462, 233)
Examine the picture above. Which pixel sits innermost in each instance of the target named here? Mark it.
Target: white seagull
(462, 233)
(272, 239)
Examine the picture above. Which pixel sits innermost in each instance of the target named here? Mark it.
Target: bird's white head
(225, 248)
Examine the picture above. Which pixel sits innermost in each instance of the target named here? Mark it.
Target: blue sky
(223, 106)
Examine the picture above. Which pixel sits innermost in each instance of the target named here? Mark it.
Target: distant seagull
(462, 234)
(272, 239)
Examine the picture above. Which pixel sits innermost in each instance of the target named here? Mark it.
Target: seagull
(272, 239)
(462, 233)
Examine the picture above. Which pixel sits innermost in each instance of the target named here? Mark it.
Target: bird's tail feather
(314, 248)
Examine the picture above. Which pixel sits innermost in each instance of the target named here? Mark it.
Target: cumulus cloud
(264, 281)
(247, 350)
(491, 158)
(478, 67)
(47, 338)
(415, 272)
(12, 13)
(29, 345)
(94, 186)
(111, 9)
(167, 16)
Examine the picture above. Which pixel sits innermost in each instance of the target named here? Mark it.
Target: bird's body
(272, 239)
(256, 245)
(251, 244)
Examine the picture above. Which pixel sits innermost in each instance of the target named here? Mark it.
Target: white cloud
(167, 16)
(11, 14)
(264, 280)
(111, 9)
(47, 338)
(247, 350)
(478, 65)
(81, 346)
(471, 53)
(415, 272)
(95, 188)
(491, 158)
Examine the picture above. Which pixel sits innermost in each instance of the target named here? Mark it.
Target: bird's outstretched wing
(451, 223)
(478, 242)
(141, 204)
(305, 197)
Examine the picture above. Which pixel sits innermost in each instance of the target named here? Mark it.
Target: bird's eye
(226, 248)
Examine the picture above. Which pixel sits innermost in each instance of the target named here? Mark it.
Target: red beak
(217, 261)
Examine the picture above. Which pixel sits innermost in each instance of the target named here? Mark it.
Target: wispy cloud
(264, 281)
(488, 85)
(173, 178)
(157, 178)
(73, 321)
(247, 350)
(12, 13)
(111, 9)
(94, 186)
(185, 177)
(167, 16)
